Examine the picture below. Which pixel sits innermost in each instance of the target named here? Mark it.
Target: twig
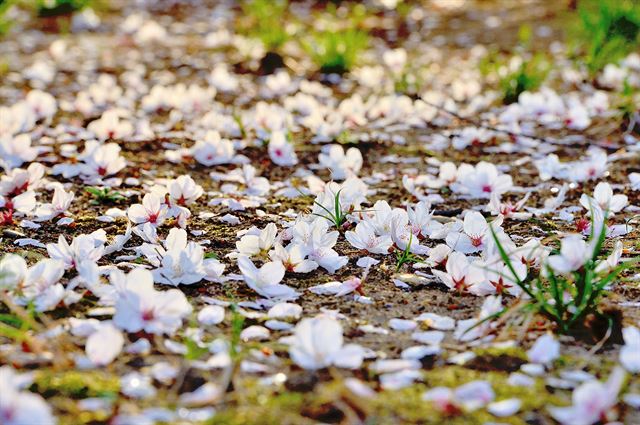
(510, 133)
(481, 124)
(524, 327)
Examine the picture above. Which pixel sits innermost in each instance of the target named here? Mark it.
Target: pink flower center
(582, 225)
(7, 414)
(19, 189)
(147, 315)
(500, 286)
(459, 284)
(506, 209)
(6, 217)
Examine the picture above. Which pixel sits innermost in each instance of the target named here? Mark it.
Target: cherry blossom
(266, 279)
(438, 256)
(13, 272)
(507, 209)
(318, 343)
(257, 242)
(574, 252)
(380, 216)
(181, 262)
(341, 164)
(351, 194)
(140, 307)
(500, 279)
(629, 352)
(634, 179)
(468, 397)
(101, 160)
(184, 191)
(593, 167)
(545, 350)
(43, 104)
(471, 136)
(19, 406)
(19, 180)
(82, 248)
(281, 151)
(472, 329)
(293, 258)
(16, 151)
(395, 60)
(59, 205)
(421, 219)
(152, 210)
(41, 286)
(211, 315)
(612, 260)
(592, 401)
(213, 150)
(402, 234)
(338, 289)
(475, 234)
(104, 345)
(111, 126)
(364, 237)
(461, 274)
(604, 198)
(482, 181)
(317, 244)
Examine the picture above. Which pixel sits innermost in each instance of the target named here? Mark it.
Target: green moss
(265, 409)
(406, 406)
(76, 384)
(261, 405)
(516, 352)
(257, 404)
(69, 414)
(533, 397)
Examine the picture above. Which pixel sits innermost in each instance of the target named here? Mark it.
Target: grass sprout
(406, 256)
(49, 8)
(524, 72)
(264, 21)
(607, 30)
(337, 216)
(104, 195)
(566, 300)
(5, 21)
(336, 51)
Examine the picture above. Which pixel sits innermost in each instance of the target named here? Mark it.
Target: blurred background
(515, 45)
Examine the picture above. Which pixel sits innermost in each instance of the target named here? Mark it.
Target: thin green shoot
(337, 217)
(406, 256)
(104, 195)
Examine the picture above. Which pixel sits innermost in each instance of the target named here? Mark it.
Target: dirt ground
(281, 392)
